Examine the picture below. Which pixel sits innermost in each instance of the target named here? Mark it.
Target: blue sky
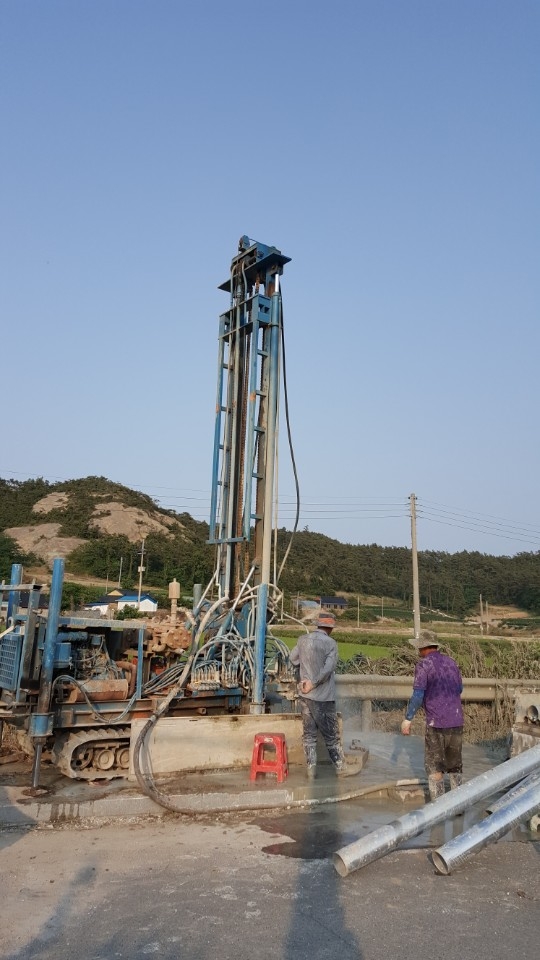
(390, 148)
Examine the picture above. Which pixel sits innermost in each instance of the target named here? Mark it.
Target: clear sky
(391, 148)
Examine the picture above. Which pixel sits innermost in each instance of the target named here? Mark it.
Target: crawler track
(93, 754)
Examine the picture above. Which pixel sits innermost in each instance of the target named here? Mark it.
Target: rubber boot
(436, 788)
(456, 779)
(338, 758)
(342, 768)
(311, 759)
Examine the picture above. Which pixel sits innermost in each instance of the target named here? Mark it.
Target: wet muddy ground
(305, 833)
(317, 834)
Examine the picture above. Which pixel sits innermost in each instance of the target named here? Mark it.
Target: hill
(98, 525)
(94, 524)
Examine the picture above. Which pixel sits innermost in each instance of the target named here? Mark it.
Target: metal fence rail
(369, 687)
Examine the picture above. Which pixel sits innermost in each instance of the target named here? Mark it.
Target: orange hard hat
(327, 620)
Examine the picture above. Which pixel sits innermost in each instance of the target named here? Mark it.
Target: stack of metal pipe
(518, 805)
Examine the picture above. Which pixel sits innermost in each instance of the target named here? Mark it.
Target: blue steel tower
(244, 461)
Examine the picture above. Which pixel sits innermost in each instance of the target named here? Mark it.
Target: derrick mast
(245, 437)
(246, 417)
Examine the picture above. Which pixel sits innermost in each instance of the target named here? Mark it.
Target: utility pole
(358, 610)
(174, 596)
(481, 617)
(416, 591)
(120, 574)
(141, 570)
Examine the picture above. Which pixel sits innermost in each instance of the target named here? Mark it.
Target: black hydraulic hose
(291, 448)
(147, 784)
(65, 678)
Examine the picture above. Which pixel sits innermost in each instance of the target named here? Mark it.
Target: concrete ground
(118, 876)
(255, 886)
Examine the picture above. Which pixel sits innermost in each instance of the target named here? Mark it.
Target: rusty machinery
(75, 683)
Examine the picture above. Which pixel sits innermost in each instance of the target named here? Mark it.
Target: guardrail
(368, 687)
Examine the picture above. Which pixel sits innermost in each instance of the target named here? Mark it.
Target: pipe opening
(340, 865)
(440, 864)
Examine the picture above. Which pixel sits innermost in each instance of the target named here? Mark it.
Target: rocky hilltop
(93, 523)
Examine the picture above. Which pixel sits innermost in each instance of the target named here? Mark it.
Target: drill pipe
(532, 780)
(456, 851)
(387, 838)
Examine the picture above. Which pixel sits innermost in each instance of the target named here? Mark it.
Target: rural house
(333, 603)
(112, 602)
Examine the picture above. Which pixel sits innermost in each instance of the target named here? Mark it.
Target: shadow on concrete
(317, 924)
(405, 750)
(19, 822)
(45, 944)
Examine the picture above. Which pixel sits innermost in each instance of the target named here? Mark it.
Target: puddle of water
(317, 834)
(310, 835)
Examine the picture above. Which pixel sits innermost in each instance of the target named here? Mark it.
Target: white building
(110, 604)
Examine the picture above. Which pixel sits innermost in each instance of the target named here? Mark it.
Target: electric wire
(378, 509)
(511, 526)
(350, 509)
(484, 524)
(462, 526)
(291, 449)
(476, 513)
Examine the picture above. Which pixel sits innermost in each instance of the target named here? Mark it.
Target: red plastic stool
(277, 764)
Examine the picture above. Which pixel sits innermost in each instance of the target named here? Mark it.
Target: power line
(145, 488)
(492, 533)
(342, 508)
(484, 518)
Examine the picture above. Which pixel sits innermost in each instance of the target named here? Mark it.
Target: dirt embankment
(115, 518)
(44, 540)
(112, 518)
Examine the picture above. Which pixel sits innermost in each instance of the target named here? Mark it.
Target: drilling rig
(75, 684)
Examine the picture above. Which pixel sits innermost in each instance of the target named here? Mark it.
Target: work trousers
(443, 749)
(320, 715)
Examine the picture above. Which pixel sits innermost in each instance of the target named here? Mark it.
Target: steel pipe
(51, 633)
(456, 851)
(13, 596)
(38, 748)
(521, 787)
(387, 838)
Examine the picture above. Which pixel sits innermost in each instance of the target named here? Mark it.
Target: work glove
(406, 727)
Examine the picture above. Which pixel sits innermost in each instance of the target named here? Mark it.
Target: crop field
(346, 649)
(390, 654)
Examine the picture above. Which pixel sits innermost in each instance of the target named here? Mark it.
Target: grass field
(347, 650)
(371, 650)
(493, 656)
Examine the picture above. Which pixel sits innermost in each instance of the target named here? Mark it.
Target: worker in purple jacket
(437, 687)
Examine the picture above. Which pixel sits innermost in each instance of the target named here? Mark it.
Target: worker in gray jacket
(316, 654)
